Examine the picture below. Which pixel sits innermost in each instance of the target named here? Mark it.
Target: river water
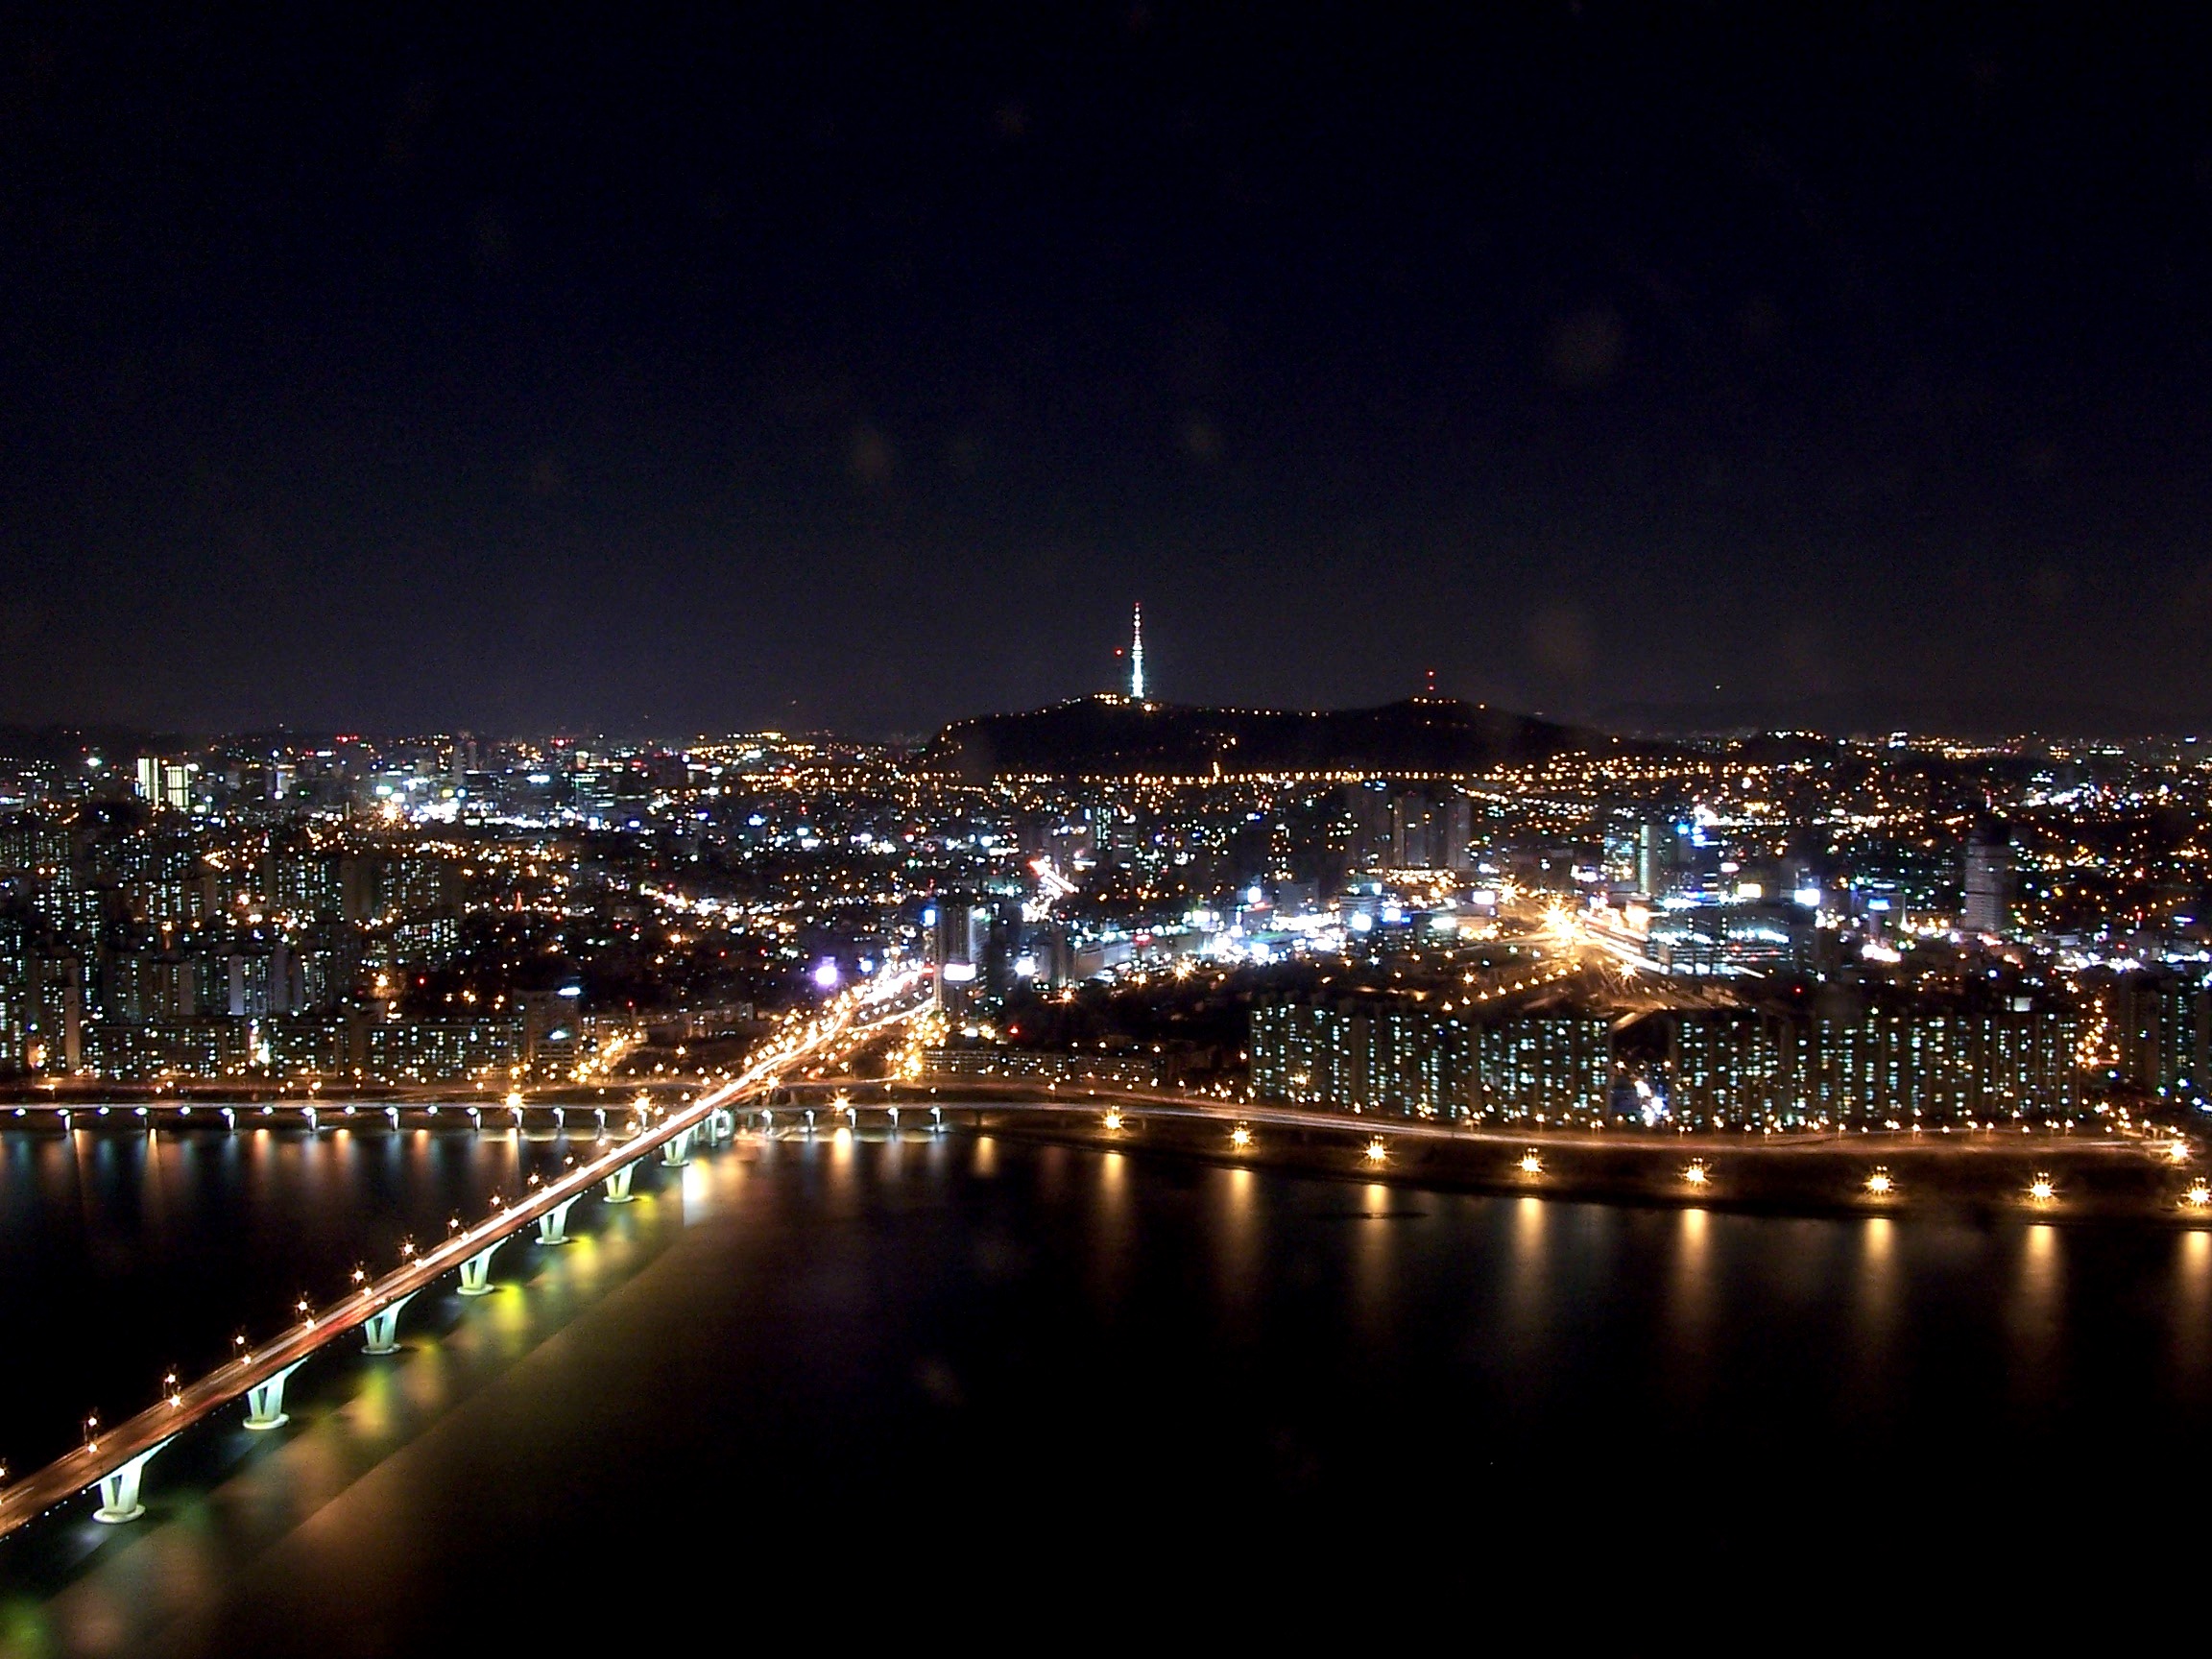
(859, 1371)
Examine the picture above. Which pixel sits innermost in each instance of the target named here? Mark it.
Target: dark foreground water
(928, 1386)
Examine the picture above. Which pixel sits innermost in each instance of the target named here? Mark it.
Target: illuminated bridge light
(1240, 1137)
(1113, 1117)
(2042, 1189)
(1697, 1175)
(1376, 1151)
(1531, 1162)
(2198, 1195)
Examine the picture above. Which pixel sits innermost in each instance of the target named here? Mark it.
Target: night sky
(513, 371)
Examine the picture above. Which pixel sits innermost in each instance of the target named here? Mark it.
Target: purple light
(825, 974)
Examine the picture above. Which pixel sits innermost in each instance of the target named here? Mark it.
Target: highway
(1091, 1100)
(111, 1449)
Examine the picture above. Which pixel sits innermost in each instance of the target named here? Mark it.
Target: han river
(918, 1383)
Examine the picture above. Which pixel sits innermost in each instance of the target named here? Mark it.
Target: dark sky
(512, 370)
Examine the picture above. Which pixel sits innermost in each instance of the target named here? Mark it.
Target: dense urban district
(1429, 910)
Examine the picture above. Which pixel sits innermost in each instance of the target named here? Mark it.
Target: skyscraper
(1988, 883)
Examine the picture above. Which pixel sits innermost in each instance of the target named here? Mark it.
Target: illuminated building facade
(1413, 1063)
(1548, 1068)
(428, 1051)
(184, 1047)
(2156, 1024)
(1988, 886)
(1726, 1069)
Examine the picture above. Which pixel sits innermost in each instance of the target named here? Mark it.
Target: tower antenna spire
(1136, 657)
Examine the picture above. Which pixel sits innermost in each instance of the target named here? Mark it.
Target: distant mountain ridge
(1109, 737)
(1873, 717)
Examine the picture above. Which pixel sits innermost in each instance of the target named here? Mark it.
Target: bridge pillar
(476, 1271)
(383, 1326)
(677, 1152)
(553, 1225)
(617, 1184)
(265, 1401)
(119, 1491)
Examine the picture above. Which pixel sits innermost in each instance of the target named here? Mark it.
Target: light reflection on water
(2191, 1325)
(132, 1252)
(850, 1327)
(1876, 1303)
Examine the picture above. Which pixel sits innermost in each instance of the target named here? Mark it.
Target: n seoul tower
(1137, 657)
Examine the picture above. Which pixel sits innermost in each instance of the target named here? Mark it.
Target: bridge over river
(115, 1458)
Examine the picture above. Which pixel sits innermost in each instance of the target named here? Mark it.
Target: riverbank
(2041, 1175)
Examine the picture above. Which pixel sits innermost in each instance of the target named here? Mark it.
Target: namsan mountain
(1109, 736)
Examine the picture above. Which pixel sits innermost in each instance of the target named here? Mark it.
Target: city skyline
(1125, 676)
(777, 780)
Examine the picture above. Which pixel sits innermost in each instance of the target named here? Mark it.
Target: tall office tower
(1988, 883)
(167, 783)
(1410, 826)
(1137, 657)
(1459, 831)
(1655, 859)
(1368, 807)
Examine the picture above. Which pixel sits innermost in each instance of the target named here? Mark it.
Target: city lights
(1615, 946)
(806, 666)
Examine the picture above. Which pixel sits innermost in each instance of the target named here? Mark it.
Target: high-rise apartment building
(1989, 884)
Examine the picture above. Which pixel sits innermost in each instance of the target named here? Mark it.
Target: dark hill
(1112, 737)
